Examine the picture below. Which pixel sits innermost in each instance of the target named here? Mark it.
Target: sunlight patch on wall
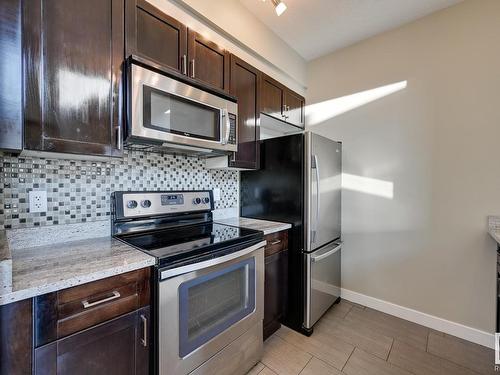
(367, 185)
(328, 109)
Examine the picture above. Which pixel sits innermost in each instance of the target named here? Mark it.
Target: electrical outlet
(216, 192)
(38, 201)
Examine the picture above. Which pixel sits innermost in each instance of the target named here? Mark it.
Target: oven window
(210, 304)
(173, 114)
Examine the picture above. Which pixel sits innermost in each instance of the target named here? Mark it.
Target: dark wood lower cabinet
(102, 327)
(119, 346)
(16, 338)
(275, 290)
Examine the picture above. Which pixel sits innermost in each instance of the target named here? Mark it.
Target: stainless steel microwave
(166, 114)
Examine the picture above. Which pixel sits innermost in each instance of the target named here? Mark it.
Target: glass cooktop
(192, 241)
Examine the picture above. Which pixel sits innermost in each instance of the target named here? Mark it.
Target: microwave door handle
(225, 127)
(228, 127)
(222, 126)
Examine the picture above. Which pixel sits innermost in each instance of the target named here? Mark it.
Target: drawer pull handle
(144, 340)
(274, 242)
(86, 304)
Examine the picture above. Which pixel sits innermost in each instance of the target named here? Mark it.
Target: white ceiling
(317, 27)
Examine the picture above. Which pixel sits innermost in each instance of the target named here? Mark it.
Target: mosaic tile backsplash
(79, 191)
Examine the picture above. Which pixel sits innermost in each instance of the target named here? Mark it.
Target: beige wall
(235, 19)
(437, 142)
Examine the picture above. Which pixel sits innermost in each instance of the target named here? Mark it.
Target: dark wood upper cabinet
(73, 54)
(156, 36)
(272, 93)
(244, 84)
(294, 108)
(16, 338)
(282, 103)
(208, 62)
(11, 77)
(119, 346)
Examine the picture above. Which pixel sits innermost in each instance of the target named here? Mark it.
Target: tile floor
(353, 340)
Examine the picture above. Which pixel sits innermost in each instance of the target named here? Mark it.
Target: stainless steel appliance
(167, 113)
(300, 182)
(209, 281)
(271, 127)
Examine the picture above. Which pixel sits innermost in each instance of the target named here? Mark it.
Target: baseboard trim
(455, 329)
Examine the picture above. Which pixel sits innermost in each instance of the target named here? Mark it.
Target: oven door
(205, 306)
(165, 110)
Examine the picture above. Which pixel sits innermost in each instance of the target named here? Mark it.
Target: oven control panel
(169, 199)
(136, 204)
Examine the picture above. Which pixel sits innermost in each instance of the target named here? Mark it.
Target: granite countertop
(5, 263)
(494, 227)
(265, 226)
(38, 270)
(4, 246)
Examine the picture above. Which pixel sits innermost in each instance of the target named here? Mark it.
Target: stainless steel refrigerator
(300, 183)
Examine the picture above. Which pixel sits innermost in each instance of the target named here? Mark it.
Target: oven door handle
(167, 274)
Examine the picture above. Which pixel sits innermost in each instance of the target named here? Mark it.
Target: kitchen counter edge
(266, 226)
(24, 267)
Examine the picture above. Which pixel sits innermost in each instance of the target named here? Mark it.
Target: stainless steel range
(209, 280)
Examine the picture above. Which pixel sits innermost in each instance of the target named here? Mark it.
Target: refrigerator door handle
(326, 255)
(315, 165)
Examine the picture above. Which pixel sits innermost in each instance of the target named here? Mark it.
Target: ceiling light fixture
(279, 6)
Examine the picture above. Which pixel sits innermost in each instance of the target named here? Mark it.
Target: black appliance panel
(276, 192)
(181, 243)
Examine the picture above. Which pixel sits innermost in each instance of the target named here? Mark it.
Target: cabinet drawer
(276, 242)
(65, 312)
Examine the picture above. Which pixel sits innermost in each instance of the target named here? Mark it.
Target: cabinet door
(119, 346)
(294, 108)
(244, 84)
(156, 36)
(10, 71)
(275, 291)
(208, 62)
(272, 97)
(16, 341)
(73, 52)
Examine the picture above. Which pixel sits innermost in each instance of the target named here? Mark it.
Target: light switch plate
(216, 194)
(38, 201)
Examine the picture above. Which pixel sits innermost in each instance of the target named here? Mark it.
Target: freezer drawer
(322, 281)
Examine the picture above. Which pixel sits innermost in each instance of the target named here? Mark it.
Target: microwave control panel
(232, 129)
